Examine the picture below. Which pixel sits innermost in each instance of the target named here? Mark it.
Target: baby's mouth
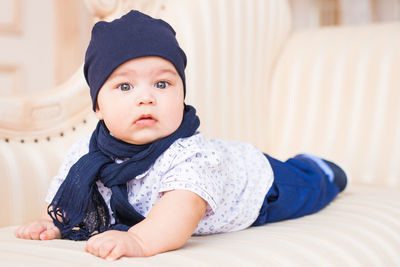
(145, 120)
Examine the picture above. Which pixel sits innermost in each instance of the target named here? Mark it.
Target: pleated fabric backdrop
(232, 47)
(336, 92)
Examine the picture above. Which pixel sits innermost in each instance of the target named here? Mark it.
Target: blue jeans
(300, 188)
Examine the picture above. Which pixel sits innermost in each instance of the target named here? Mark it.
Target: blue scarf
(78, 209)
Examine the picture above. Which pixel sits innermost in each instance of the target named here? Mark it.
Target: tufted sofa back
(335, 92)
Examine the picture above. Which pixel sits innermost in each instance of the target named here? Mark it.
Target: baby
(146, 179)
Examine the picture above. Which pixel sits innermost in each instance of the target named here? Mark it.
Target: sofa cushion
(359, 228)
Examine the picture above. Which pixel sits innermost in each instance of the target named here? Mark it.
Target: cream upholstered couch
(328, 91)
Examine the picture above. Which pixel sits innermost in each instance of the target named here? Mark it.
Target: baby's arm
(39, 229)
(170, 223)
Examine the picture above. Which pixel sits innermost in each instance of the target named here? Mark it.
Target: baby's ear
(98, 113)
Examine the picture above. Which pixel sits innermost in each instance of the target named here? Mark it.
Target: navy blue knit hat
(131, 36)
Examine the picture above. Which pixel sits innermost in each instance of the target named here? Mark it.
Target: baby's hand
(41, 229)
(112, 245)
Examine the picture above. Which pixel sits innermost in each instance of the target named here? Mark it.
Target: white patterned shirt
(232, 177)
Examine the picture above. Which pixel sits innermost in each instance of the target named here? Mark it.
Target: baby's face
(142, 100)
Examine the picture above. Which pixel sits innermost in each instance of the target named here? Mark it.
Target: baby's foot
(334, 172)
(340, 177)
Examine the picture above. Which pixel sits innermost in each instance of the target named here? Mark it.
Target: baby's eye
(125, 86)
(161, 85)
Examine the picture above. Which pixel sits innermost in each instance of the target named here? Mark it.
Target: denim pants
(300, 188)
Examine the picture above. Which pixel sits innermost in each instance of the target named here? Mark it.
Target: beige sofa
(333, 92)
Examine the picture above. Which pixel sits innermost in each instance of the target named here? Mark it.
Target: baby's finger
(116, 253)
(49, 234)
(106, 248)
(26, 232)
(19, 231)
(93, 245)
(35, 230)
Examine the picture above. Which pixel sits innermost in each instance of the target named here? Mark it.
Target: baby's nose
(145, 97)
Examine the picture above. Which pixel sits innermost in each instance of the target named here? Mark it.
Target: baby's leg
(302, 185)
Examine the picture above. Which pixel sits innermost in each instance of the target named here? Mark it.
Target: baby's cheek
(175, 120)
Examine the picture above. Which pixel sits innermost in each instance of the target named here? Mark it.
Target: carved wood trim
(15, 72)
(67, 39)
(14, 27)
(111, 9)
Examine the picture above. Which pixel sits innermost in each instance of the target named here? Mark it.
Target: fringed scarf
(78, 209)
